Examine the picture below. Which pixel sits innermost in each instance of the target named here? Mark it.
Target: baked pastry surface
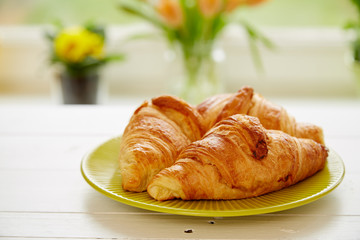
(238, 158)
(271, 116)
(159, 130)
(154, 137)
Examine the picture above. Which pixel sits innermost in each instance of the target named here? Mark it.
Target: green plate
(101, 170)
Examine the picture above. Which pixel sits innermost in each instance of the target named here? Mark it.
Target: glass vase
(196, 77)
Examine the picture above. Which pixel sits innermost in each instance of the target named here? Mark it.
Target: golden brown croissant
(238, 158)
(154, 137)
(271, 116)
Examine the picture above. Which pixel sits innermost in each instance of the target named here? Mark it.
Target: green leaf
(113, 58)
(351, 25)
(255, 37)
(143, 10)
(50, 36)
(95, 28)
(255, 53)
(356, 3)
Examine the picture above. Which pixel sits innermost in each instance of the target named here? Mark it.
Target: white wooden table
(43, 195)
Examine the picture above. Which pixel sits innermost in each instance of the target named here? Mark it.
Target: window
(274, 13)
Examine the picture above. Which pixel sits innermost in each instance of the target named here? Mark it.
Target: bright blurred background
(309, 60)
(277, 13)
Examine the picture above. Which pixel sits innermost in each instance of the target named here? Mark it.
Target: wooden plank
(67, 191)
(52, 238)
(60, 120)
(162, 226)
(43, 195)
(46, 152)
(53, 191)
(337, 119)
(345, 148)
(65, 152)
(53, 172)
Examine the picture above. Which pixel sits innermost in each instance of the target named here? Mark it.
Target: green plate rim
(207, 213)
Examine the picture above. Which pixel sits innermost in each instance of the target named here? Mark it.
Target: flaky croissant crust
(146, 148)
(271, 116)
(160, 129)
(238, 158)
(154, 137)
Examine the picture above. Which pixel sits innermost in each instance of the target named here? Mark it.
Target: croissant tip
(162, 187)
(247, 88)
(159, 193)
(132, 185)
(130, 181)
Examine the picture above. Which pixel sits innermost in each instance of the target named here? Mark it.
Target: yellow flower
(76, 43)
(210, 7)
(170, 10)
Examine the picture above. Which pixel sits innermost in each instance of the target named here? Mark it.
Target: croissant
(238, 158)
(271, 116)
(154, 137)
